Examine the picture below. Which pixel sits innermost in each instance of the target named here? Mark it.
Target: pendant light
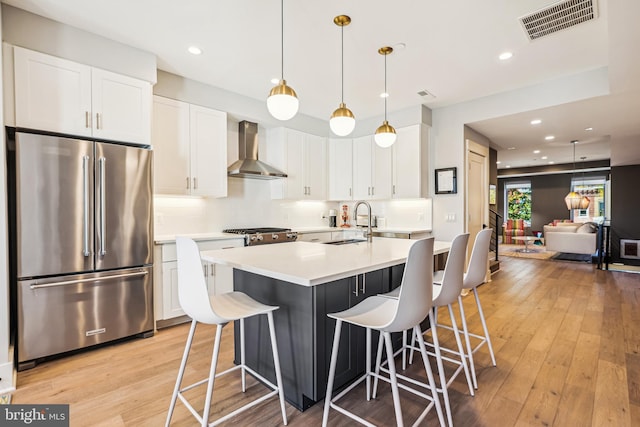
(385, 135)
(282, 102)
(584, 201)
(573, 199)
(342, 121)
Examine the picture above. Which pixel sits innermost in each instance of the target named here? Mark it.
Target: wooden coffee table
(527, 240)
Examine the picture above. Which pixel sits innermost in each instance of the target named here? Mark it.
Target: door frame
(481, 150)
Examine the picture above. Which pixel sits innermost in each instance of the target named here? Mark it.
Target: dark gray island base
(305, 333)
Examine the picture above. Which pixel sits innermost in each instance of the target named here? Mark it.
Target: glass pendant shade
(584, 202)
(385, 135)
(342, 121)
(282, 102)
(573, 200)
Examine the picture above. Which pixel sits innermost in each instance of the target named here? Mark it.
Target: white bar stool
(474, 277)
(389, 315)
(445, 294)
(218, 310)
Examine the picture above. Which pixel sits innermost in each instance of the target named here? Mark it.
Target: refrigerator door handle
(89, 280)
(85, 205)
(101, 164)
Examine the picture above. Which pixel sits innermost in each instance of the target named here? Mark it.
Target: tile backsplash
(249, 204)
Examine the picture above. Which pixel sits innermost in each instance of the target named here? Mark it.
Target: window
(518, 202)
(593, 188)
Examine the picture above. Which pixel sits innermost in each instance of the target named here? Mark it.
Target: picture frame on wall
(446, 181)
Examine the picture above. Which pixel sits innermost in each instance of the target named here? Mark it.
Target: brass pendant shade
(282, 102)
(385, 135)
(573, 200)
(342, 121)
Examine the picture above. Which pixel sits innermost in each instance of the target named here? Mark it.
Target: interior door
(477, 197)
(124, 219)
(54, 205)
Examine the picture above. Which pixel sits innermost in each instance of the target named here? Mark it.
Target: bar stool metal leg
(332, 372)
(276, 362)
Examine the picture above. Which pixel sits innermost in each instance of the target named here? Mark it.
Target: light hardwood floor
(566, 338)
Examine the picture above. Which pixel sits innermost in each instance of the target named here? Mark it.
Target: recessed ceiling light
(505, 55)
(384, 95)
(588, 129)
(549, 137)
(194, 50)
(536, 151)
(544, 157)
(511, 148)
(536, 121)
(399, 46)
(508, 166)
(551, 162)
(498, 162)
(275, 80)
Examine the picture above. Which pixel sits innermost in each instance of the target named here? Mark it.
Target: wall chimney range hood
(248, 166)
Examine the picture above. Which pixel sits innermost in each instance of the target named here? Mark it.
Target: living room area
(568, 213)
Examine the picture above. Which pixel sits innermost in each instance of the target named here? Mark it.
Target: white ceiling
(452, 50)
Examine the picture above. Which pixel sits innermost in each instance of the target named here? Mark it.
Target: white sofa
(572, 238)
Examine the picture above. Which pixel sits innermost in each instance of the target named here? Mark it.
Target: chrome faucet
(368, 234)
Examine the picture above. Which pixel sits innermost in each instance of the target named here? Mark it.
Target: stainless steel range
(264, 235)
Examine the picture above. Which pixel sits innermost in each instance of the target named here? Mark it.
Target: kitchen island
(307, 281)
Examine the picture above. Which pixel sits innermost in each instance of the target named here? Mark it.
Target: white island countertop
(310, 264)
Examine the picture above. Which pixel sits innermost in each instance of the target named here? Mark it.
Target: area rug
(513, 251)
(563, 256)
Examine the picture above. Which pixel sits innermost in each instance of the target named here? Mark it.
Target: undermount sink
(344, 241)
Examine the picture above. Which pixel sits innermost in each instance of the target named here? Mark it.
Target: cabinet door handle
(373, 190)
(364, 284)
(205, 270)
(195, 183)
(394, 189)
(188, 182)
(87, 119)
(213, 270)
(368, 191)
(350, 192)
(308, 191)
(98, 124)
(356, 291)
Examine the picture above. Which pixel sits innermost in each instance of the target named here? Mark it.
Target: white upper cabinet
(340, 169)
(121, 107)
(190, 149)
(410, 163)
(303, 157)
(208, 151)
(58, 95)
(372, 171)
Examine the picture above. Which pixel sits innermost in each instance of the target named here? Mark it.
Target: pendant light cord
(342, 65)
(281, 39)
(386, 94)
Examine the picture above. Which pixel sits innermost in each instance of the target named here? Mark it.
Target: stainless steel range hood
(248, 166)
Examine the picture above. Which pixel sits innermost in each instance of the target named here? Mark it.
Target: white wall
(6, 353)
(22, 28)
(447, 133)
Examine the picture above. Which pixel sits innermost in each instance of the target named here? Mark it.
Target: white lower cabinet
(219, 278)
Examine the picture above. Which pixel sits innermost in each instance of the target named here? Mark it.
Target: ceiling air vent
(560, 16)
(426, 95)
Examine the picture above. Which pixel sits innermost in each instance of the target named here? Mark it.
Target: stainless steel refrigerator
(81, 242)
